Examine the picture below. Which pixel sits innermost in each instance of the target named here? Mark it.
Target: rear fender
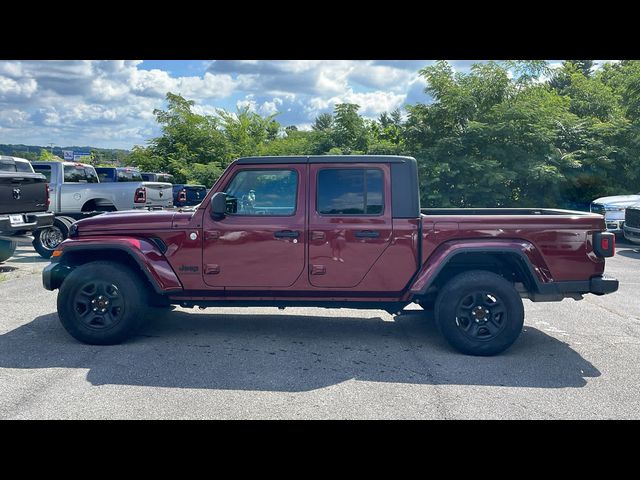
(528, 255)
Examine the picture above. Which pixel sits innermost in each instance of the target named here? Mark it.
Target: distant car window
(7, 166)
(165, 178)
(129, 176)
(45, 170)
(104, 177)
(80, 174)
(24, 167)
(350, 191)
(263, 192)
(146, 177)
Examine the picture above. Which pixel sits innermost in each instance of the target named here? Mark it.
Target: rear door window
(79, 174)
(350, 191)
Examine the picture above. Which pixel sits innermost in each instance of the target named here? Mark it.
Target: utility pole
(51, 145)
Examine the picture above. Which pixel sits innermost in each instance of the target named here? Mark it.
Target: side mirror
(218, 205)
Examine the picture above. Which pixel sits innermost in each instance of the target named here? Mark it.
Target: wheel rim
(51, 237)
(99, 304)
(481, 315)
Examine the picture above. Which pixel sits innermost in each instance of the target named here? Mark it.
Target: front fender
(143, 252)
(444, 253)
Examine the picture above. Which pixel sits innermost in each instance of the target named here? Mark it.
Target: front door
(350, 222)
(261, 241)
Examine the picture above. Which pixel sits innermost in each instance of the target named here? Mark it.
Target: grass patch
(3, 277)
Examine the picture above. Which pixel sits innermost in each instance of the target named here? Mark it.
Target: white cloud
(14, 89)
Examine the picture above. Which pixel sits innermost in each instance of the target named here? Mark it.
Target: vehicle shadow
(6, 268)
(292, 353)
(629, 252)
(26, 255)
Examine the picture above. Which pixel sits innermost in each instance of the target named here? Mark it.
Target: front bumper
(53, 275)
(632, 234)
(32, 221)
(614, 226)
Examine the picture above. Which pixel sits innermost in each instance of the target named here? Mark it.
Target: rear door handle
(287, 234)
(368, 234)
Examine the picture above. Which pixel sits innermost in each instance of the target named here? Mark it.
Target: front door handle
(287, 234)
(367, 234)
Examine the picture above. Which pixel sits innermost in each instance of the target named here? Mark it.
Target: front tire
(102, 303)
(7, 249)
(479, 313)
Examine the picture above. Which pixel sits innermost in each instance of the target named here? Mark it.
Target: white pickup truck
(76, 192)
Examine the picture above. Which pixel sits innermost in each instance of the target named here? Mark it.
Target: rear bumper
(554, 291)
(632, 234)
(32, 221)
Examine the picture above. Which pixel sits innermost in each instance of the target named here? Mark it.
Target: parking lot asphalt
(573, 360)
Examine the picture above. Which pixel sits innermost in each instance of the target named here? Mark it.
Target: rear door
(350, 222)
(261, 241)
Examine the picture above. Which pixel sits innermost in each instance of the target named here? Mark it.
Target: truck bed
(501, 211)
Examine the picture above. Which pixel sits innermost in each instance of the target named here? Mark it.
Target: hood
(130, 220)
(619, 200)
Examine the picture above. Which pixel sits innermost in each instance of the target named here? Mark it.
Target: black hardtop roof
(325, 159)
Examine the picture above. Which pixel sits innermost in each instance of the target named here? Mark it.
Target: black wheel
(7, 249)
(102, 303)
(46, 240)
(479, 313)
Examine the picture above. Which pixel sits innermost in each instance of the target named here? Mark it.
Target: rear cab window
(350, 191)
(7, 166)
(24, 167)
(44, 170)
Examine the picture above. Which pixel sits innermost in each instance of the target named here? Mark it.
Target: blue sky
(109, 103)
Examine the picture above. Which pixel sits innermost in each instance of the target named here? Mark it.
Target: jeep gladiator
(328, 231)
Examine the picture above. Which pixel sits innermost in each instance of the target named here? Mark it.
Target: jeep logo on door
(17, 194)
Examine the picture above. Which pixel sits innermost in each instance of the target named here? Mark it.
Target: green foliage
(505, 134)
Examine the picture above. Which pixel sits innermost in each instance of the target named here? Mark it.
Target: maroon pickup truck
(328, 231)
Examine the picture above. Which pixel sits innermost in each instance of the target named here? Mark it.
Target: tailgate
(196, 194)
(158, 193)
(23, 193)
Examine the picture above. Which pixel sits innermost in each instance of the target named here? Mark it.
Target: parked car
(118, 174)
(613, 210)
(24, 200)
(328, 231)
(188, 195)
(157, 177)
(632, 223)
(76, 192)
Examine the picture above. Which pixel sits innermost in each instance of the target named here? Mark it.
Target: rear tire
(7, 249)
(102, 303)
(46, 240)
(479, 313)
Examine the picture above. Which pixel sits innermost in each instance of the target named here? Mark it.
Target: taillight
(47, 197)
(140, 195)
(604, 244)
(182, 196)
